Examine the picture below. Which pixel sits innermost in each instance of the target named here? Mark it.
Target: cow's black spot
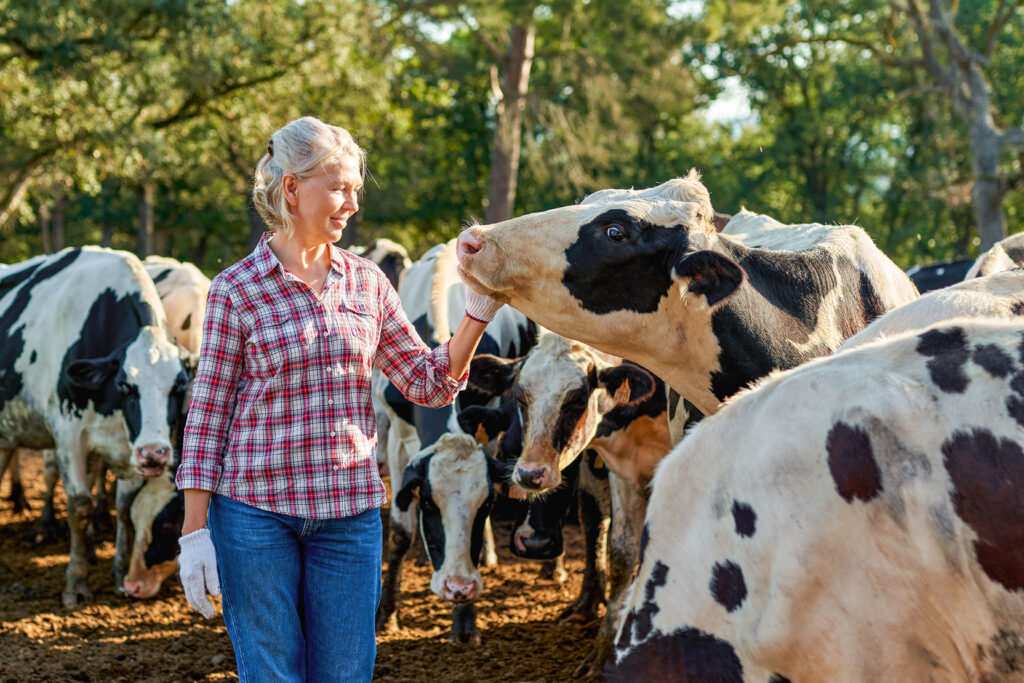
(162, 275)
(851, 461)
(727, 585)
(12, 342)
(993, 360)
(1015, 407)
(626, 632)
(988, 476)
(621, 416)
(573, 405)
(112, 324)
(673, 403)
(645, 538)
(687, 654)
(939, 275)
(187, 323)
(631, 275)
(778, 678)
(164, 532)
(645, 615)
(33, 356)
(745, 518)
(872, 304)
(1017, 383)
(949, 353)
(1017, 308)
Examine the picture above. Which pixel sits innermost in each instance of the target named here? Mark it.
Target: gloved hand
(481, 307)
(198, 565)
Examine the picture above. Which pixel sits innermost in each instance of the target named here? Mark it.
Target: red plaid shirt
(281, 415)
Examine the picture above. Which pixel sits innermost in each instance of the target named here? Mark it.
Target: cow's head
(562, 388)
(537, 532)
(454, 482)
(146, 382)
(597, 271)
(157, 514)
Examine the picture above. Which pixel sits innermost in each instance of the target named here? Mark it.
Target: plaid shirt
(281, 415)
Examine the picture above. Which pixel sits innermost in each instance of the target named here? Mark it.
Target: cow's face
(157, 514)
(147, 383)
(453, 481)
(563, 389)
(537, 532)
(598, 271)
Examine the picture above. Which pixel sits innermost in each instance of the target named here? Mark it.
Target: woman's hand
(480, 307)
(198, 564)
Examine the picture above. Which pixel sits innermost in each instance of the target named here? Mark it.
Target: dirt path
(118, 639)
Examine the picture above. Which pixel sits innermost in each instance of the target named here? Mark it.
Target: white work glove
(198, 564)
(481, 307)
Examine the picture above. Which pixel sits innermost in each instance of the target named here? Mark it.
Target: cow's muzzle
(152, 459)
(460, 588)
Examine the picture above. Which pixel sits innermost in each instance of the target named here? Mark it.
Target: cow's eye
(615, 233)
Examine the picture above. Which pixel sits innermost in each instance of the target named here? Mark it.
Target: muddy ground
(114, 638)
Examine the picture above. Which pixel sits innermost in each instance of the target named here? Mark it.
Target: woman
(278, 450)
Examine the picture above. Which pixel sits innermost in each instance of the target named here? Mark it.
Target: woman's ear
(290, 188)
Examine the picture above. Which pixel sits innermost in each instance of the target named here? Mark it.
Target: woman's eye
(615, 233)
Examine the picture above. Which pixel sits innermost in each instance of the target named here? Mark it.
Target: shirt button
(335, 468)
(330, 401)
(328, 371)
(332, 433)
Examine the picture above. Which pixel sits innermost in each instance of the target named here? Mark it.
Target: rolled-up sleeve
(214, 391)
(421, 374)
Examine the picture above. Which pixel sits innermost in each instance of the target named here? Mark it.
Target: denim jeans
(299, 595)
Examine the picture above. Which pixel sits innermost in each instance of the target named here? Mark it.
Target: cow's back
(858, 518)
(183, 290)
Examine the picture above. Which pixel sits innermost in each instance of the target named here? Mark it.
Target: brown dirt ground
(114, 638)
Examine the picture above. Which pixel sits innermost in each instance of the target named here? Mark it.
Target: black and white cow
(86, 367)
(452, 481)
(1006, 254)
(938, 275)
(643, 275)
(573, 399)
(433, 297)
(183, 290)
(856, 518)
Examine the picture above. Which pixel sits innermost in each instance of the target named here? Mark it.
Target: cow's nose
(532, 544)
(155, 455)
(133, 588)
(459, 588)
(469, 242)
(538, 478)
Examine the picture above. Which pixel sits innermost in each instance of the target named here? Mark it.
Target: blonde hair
(304, 147)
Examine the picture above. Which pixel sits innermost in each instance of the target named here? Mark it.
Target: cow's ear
(711, 275)
(92, 373)
(412, 479)
(483, 423)
(628, 384)
(491, 375)
(496, 470)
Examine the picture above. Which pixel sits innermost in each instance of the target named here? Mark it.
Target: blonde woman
(278, 451)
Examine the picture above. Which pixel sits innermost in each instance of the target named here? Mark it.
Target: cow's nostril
(468, 243)
(531, 479)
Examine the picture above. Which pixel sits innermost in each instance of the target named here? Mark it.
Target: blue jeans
(299, 595)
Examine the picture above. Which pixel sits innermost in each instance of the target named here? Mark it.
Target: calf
(433, 297)
(157, 515)
(453, 483)
(857, 518)
(643, 275)
(86, 367)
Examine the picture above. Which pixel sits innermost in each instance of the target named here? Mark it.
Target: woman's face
(324, 202)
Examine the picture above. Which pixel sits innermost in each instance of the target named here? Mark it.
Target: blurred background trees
(138, 124)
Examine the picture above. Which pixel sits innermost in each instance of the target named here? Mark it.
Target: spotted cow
(643, 275)
(573, 400)
(433, 298)
(1006, 254)
(857, 518)
(86, 367)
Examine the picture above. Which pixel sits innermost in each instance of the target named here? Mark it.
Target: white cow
(859, 518)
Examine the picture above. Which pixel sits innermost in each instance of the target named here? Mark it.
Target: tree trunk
(987, 202)
(44, 228)
(144, 244)
(501, 192)
(57, 234)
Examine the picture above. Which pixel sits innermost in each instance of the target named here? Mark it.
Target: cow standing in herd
(86, 368)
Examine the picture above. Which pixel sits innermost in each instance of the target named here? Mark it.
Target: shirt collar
(267, 261)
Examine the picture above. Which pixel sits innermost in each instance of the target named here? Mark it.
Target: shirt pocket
(360, 329)
(273, 347)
